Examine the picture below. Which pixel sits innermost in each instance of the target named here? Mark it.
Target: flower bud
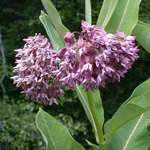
(69, 37)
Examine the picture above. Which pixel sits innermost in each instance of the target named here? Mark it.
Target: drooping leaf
(106, 12)
(132, 136)
(137, 104)
(98, 104)
(55, 135)
(55, 18)
(88, 12)
(142, 34)
(92, 146)
(52, 33)
(125, 17)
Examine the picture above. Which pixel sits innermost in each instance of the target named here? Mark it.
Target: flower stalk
(94, 114)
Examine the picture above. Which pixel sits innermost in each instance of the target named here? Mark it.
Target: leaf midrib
(49, 131)
(116, 128)
(138, 122)
(123, 15)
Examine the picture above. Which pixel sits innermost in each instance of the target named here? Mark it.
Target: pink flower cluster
(93, 60)
(35, 68)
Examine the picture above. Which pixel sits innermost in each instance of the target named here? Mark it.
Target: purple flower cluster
(35, 68)
(94, 59)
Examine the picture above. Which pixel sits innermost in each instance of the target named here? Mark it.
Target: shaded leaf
(52, 33)
(55, 135)
(106, 12)
(55, 18)
(142, 33)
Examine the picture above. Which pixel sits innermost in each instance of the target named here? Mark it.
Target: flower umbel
(94, 59)
(35, 68)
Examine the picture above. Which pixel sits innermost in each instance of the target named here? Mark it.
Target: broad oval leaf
(55, 18)
(125, 17)
(106, 12)
(132, 136)
(88, 11)
(142, 33)
(98, 105)
(55, 135)
(52, 33)
(137, 104)
(127, 113)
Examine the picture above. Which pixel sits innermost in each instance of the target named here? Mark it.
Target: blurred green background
(20, 19)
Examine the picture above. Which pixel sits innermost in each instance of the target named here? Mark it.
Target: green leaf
(106, 12)
(55, 135)
(88, 14)
(127, 113)
(52, 33)
(131, 136)
(98, 105)
(142, 33)
(137, 104)
(143, 23)
(125, 17)
(55, 18)
(139, 90)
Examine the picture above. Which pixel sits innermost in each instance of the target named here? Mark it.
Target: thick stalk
(94, 114)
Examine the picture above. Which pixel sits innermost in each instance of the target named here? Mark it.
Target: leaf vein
(49, 132)
(133, 132)
(123, 15)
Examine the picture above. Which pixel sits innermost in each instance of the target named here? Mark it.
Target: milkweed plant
(99, 54)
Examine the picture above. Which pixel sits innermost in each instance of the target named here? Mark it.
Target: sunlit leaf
(138, 103)
(88, 13)
(125, 17)
(143, 23)
(139, 90)
(106, 12)
(52, 33)
(132, 136)
(55, 18)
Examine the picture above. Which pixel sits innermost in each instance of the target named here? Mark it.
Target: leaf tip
(40, 108)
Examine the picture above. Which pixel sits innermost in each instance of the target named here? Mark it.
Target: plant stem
(94, 114)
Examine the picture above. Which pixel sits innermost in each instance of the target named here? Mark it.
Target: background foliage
(20, 19)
